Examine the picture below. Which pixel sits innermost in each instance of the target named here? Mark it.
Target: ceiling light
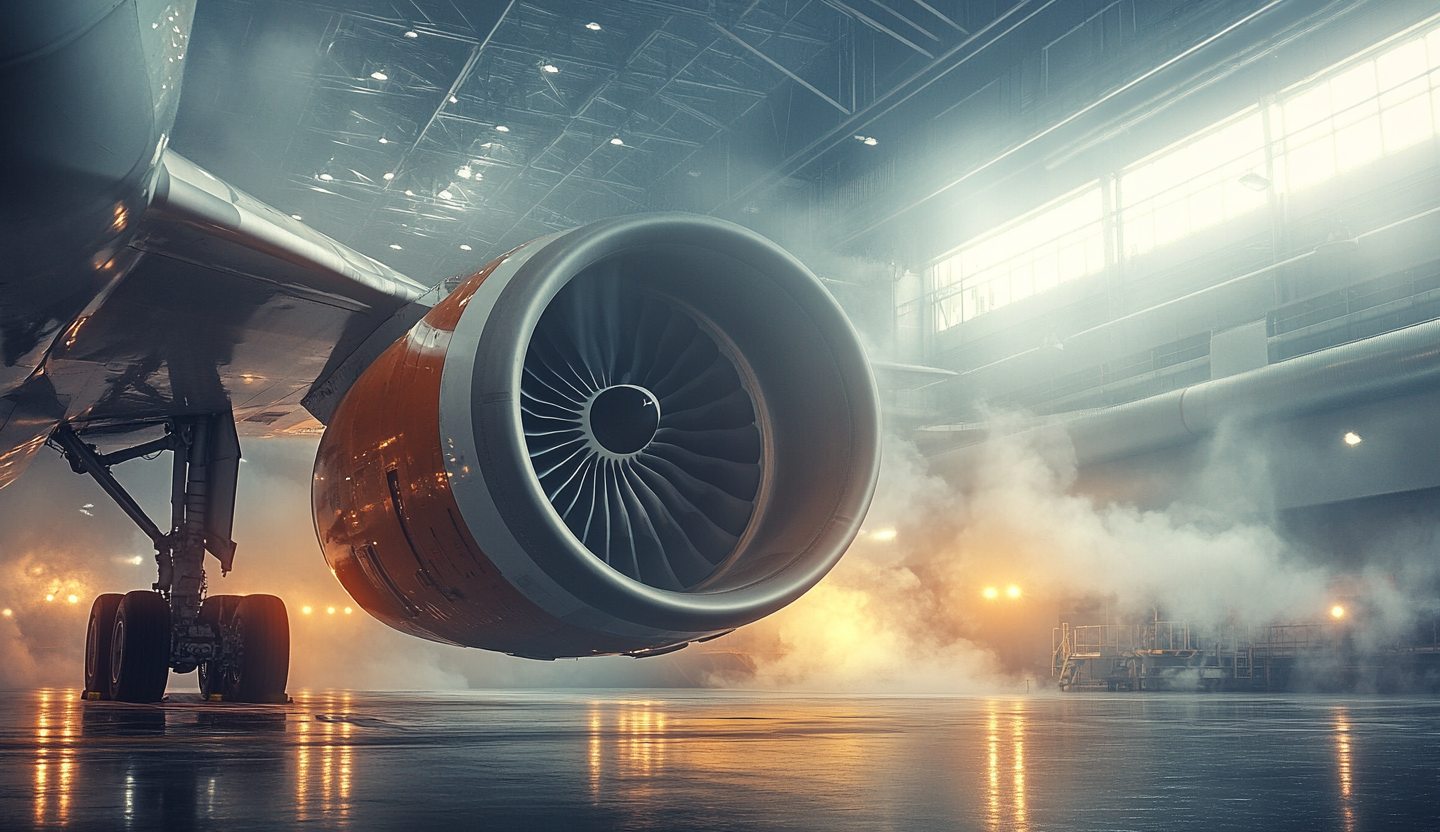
(464, 247)
(991, 592)
(409, 192)
(454, 100)
(617, 141)
(296, 217)
(307, 610)
(7, 612)
(593, 26)
(379, 76)
(325, 177)
(389, 176)
(550, 68)
(1013, 591)
(870, 140)
(384, 140)
(395, 246)
(445, 194)
(464, 172)
(72, 598)
(348, 610)
(1254, 181)
(330, 610)
(1352, 439)
(502, 128)
(412, 34)
(1337, 611)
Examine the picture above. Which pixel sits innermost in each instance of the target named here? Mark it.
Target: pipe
(1392, 364)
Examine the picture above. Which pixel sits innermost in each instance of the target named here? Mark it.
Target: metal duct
(1399, 362)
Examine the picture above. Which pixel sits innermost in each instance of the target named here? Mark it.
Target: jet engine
(618, 439)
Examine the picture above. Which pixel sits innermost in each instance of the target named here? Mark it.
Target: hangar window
(1381, 105)
(1377, 103)
(1193, 184)
(1057, 243)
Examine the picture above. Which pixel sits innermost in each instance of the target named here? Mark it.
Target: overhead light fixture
(296, 217)
(379, 76)
(325, 177)
(464, 172)
(867, 140)
(409, 192)
(412, 34)
(1352, 439)
(395, 246)
(384, 140)
(500, 128)
(454, 100)
(550, 68)
(388, 176)
(464, 247)
(617, 141)
(1254, 181)
(445, 194)
(1013, 591)
(991, 593)
(593, 26)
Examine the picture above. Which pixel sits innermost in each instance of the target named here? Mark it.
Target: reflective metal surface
(706, 760)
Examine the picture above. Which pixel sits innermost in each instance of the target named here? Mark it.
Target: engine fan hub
(623, 418)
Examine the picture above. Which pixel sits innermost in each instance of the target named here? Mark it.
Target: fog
(903, 612)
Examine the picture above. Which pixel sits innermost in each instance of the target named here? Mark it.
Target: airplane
(618, 439)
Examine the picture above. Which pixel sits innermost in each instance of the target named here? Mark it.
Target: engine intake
(616, 439)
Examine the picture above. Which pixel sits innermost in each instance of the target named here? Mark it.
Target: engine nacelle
(616, 439)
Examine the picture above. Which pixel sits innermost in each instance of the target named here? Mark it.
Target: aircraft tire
(140, 648)
(262, 629)
(97, 645)
(218, 611)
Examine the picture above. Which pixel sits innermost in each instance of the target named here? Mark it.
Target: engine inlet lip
(533, 524)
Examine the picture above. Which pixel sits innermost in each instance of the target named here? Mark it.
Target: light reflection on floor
(704, 760)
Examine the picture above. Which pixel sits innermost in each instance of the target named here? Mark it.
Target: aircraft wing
(230, 304)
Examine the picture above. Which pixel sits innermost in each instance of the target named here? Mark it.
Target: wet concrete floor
(683, 760)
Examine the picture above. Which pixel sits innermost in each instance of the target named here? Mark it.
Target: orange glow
(348, 610)
(50, 597)
(1337, 611)
(306, 609)
(330, 610)
(7, 612)
(73, 599)
(991, 593)
(1013, 591)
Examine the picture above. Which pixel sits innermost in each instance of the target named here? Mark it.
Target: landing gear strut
(239, 645)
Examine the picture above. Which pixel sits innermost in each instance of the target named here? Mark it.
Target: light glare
(1352, 439)
(991, 592)
(307, 610)
(1337, 611)
(1013, 591)
(379, 76)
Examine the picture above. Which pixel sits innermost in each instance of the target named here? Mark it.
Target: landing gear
(241, 646)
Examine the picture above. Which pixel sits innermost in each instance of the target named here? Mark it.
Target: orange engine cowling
(617, 439)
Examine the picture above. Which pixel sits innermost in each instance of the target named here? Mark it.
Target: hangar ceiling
(436, 134)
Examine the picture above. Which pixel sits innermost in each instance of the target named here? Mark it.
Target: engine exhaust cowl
(615, 439)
